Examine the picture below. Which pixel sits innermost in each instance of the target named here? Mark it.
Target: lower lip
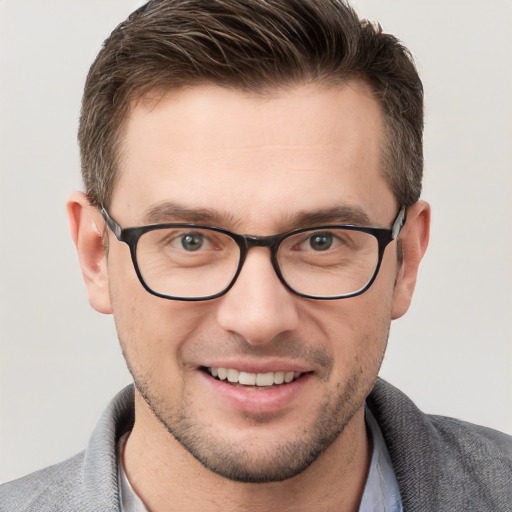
(251, 400)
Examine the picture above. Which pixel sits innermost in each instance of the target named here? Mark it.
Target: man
(252, 220)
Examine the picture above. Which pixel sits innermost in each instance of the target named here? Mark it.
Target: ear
(87, 232)
(414, 240)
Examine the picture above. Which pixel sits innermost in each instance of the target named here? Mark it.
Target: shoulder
(396, 411)
(87, 481)
(49, 489)
(443, 463)
(479, 449)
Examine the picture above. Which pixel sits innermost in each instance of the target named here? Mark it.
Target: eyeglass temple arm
(111, 223)
(399, 223)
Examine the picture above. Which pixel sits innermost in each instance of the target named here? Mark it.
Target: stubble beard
(258, 464)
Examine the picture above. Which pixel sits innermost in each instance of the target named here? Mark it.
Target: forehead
(257, 159)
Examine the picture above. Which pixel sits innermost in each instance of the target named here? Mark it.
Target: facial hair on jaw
(254, 464)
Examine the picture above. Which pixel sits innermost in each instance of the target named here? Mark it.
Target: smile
(263, 380)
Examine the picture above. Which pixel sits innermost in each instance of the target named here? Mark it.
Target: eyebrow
(344, 214)
(169, 211)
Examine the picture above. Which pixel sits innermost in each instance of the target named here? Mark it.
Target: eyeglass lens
(199, 262)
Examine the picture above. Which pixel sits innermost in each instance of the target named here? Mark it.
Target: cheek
(150, 329)
(358, 330)
(154, 332)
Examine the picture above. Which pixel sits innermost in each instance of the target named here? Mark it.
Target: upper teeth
(253, 379)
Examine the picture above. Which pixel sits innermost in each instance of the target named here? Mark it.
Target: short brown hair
(249, 45)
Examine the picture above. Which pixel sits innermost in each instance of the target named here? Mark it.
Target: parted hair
(253, 46)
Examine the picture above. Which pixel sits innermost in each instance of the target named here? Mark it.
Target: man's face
(251, 164)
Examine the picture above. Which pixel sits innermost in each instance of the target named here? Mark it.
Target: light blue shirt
(381, 493)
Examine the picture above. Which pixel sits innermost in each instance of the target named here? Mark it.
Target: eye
(321, 241)
(192, 241)
(185, 241)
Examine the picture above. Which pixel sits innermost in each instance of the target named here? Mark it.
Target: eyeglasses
(191, 262)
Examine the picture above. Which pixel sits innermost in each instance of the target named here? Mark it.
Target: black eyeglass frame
(130, 236)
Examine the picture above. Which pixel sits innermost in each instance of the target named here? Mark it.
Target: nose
(258, 307)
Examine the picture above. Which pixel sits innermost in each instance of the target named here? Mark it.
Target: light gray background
(60, 361)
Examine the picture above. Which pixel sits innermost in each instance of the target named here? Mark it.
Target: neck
(168, 478)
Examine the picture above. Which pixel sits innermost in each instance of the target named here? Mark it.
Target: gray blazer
(441, 464)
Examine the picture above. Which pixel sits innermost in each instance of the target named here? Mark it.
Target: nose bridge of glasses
(270, 241)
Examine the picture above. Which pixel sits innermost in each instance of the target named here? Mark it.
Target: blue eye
(321, 241)
(192, 241)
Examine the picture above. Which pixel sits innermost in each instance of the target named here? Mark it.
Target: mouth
(260, 381)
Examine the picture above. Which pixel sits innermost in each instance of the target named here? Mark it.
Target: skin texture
(253, 163)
